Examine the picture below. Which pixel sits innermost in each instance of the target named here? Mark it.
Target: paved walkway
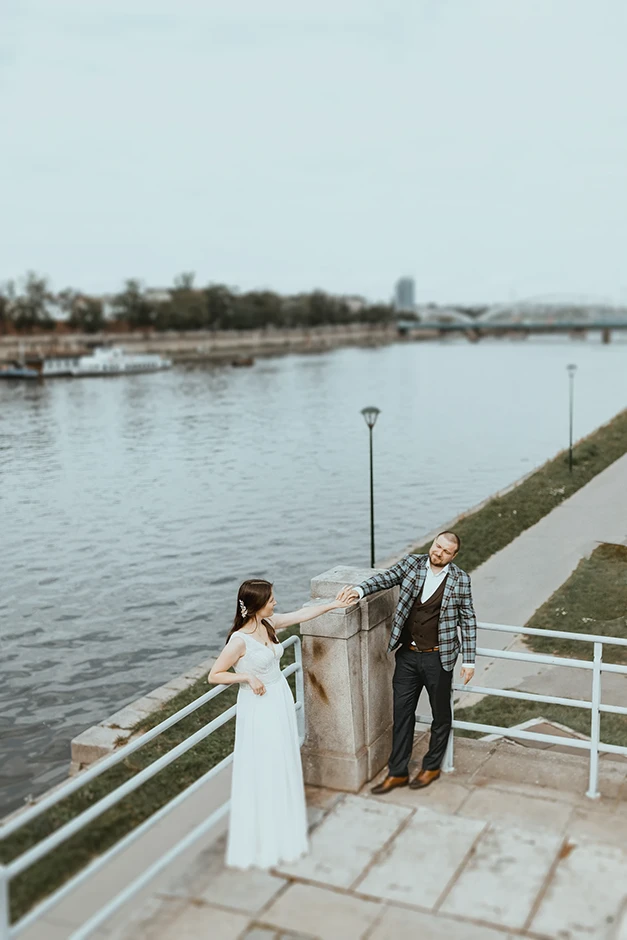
(480, 855)
(509, 587)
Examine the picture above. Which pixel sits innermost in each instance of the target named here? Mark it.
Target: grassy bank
(503, 518)
(45, 876)
(592, 600)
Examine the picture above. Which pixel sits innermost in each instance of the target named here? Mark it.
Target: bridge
(522, 319)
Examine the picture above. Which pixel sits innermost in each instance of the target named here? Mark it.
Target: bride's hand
(256, 685)
(347, 596)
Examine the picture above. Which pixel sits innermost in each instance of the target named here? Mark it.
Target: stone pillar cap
(329, 582)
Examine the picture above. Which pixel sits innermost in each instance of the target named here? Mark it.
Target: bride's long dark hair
(253, 595)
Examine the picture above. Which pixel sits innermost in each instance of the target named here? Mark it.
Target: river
(132, 507)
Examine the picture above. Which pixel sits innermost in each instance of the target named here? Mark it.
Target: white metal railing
(9, 931)
(595, 746)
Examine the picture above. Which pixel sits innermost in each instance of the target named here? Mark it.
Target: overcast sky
(479, 146)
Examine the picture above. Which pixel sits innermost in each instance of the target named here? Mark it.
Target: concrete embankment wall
(205, 344)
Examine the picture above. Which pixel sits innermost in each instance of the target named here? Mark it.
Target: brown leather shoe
(390, 783)
(424, 778)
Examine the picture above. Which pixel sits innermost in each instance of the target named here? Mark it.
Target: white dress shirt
(432, 582)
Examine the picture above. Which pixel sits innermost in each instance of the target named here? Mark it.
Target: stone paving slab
(424, 857)
(322, 913)
(244, 891)
(597, 824)
(585, 895)
(269, 933)
(568, 772)
(400, 923)
(192, 921)
(447, 798)
(542, 725)
(525, 788)
(517, 809)
(346, 841)
(503, 877)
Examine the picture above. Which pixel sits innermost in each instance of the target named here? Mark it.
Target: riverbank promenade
(511, 585)
(505, 847)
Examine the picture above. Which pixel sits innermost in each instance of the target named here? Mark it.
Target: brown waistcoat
(423, 620)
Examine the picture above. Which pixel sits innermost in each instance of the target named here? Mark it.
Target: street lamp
(370, 417)
(571, 369)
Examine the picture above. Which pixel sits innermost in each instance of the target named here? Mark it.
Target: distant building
(405, 295)
(158, 295)
(355, 303)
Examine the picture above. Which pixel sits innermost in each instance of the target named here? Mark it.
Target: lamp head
(572, 368)
(370, 415)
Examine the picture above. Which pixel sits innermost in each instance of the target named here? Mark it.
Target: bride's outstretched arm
(281, 621)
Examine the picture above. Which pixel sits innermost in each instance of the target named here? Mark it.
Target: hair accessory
(243, 609)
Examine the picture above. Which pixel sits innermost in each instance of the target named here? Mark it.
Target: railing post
(5, 916)
(300, 690)
(595, 722)
(447, 764)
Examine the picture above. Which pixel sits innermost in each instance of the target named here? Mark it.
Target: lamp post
(571, 369)
(370, 417)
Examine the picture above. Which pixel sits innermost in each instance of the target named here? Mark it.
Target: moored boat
(116, 361)
(54, 366)
(15, 370)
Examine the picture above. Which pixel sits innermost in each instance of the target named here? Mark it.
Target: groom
(434, 607)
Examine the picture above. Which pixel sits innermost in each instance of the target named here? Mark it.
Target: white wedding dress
(268, 817)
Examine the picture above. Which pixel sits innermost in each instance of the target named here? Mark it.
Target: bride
(268, 818)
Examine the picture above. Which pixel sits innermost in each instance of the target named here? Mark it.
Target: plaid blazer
(456, 615)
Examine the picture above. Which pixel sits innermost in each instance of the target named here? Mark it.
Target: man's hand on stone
(467, 672)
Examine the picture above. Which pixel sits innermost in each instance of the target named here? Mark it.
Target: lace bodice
(259, 660)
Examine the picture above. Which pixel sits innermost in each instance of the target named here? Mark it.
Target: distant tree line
(30, 306)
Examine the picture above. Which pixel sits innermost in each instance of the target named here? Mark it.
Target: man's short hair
(452, 537)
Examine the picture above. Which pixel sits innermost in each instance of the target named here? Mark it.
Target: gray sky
(477, 145)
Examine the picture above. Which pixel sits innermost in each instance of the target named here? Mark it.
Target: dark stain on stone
(317, 649)
(566, 849)
(318, 688)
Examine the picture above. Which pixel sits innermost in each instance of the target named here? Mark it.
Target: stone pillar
(348, 684)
